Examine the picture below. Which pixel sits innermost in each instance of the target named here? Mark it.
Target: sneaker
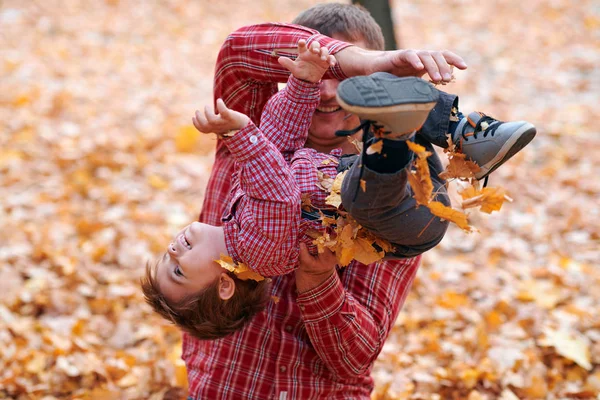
(399, 106)
(489, 142)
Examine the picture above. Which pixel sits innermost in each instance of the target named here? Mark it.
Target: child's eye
(178, 271)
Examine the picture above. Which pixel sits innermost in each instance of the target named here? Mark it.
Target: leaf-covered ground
(99, 165)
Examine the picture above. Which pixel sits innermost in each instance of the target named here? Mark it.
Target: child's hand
(226, 120)
(311, 63)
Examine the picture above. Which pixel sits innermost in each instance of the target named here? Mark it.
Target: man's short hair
(349, 22)
(204, 314)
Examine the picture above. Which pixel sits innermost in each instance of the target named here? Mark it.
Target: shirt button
(283, 368)
(253, 139)
(288, 328)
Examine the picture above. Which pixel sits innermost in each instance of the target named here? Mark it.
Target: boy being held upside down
(263, 226)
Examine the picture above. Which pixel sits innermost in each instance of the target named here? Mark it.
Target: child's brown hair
(204, 314)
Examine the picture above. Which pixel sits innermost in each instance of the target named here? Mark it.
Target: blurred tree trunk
(381, 11)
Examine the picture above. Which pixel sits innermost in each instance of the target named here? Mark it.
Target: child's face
(188, 265)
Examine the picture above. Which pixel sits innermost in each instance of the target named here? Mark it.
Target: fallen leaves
(241, 270)
(569, 345)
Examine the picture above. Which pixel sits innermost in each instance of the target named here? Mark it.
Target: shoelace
(491, 129)
(365, 125)
(494, 124)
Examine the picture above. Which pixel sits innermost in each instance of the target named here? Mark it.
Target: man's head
(351, 24)
(188, 288)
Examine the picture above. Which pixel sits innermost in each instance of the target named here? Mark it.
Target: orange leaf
(240, 270)
(489, 198)
(376, 147)
(420, 179)
(459, 167)
(450, 214)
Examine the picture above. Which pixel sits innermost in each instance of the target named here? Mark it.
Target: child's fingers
(331, 60)
(200, 122)
(301, 45)
(286, 63)
(324, 53)
(222, 109)
(210, 115)
(315, 47)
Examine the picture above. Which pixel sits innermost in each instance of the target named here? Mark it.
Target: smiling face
(188, 265)
(329, 117)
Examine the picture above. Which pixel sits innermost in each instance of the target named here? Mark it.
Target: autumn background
(99, 165)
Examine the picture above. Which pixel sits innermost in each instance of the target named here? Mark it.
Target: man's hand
(437, 64)
(311, 63)
(222, 122)
(313, 270)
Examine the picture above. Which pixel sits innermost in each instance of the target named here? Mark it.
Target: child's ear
(226, 286)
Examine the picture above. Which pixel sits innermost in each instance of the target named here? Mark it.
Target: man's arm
(348, 316)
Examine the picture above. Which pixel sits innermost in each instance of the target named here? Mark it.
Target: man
(323, 334)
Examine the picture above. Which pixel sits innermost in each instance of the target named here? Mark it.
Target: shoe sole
(518, 140)
(400, 104)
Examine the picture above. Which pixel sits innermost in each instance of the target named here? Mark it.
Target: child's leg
(387, 207)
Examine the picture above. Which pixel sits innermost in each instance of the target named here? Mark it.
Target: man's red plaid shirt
(317, 344)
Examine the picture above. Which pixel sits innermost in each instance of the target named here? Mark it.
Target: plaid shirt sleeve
(349, 316)
(246, 76)
(261, 229)
(287, 115)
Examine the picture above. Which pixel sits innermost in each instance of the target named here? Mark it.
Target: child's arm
(287, 115)
(261, 225)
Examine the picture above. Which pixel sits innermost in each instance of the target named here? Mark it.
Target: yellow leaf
(335, 198)
(365, 253)
(157, 182)
(459, 167)
(186, 139)
(419, 150)
(420, 179)
(241, 270)
(569, 345)
(489, 198)
(376, 147)
(275, 299)
(450, 214)
(363, 185)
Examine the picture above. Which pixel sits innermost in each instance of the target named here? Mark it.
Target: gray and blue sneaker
(396, 107)
(489, 142)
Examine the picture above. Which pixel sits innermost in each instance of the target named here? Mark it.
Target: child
(263, 224)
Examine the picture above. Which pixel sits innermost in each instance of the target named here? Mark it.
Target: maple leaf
(357, 144)
(459, 167)
(335, 196)
(489, 199)
(568, 345)
(306, 203)
(365, 253)
(450, 214)
(420, 179)
(363, 185)
(241, 270)
(376, 147)
(275, 299)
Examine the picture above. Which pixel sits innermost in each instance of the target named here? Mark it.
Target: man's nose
(328, 89)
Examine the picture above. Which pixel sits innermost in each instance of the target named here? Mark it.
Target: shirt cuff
(246, 143)
(334, 46)
(322, 301)
(300, 91)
